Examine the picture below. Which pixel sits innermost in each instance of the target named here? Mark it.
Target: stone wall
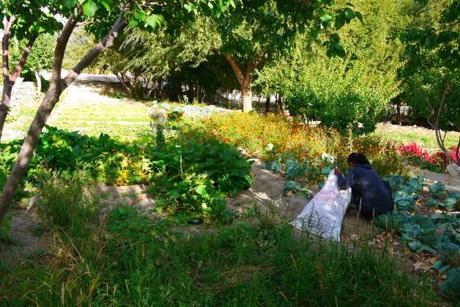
(23, 94)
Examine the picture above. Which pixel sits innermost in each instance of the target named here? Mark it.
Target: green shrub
(103, 158)
(271, 136)
(194, 176)
(279, 142)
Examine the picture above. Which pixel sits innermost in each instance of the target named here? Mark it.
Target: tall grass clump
(133, 261)
(66, 204)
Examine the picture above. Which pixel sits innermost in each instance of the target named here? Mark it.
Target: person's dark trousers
(355, 198)
(369, 213)
(388, 188)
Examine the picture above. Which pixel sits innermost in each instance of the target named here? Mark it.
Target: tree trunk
(245, 81)
(267, 104)
(8, 82)
(398, 114)
(39, 82)
(49, 101)
(246, 96)
(5, 104)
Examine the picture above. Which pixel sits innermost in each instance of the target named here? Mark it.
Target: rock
(33, 202)
(453, 170)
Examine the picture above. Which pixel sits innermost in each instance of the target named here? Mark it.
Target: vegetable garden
(175, 179)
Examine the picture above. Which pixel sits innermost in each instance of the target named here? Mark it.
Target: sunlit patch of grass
(408, 134)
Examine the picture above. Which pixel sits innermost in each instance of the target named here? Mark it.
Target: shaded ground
(29, 238)
(133, 195)
(452, 184)
(267, 193)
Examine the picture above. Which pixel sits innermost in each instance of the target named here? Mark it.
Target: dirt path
(268, 194)
(452, 184)
(28, 236)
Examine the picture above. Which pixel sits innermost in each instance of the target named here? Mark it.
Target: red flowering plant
(436, 161)
(453, 155)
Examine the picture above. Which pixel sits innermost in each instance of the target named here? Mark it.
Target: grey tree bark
(245, 81)
(57, 86)
(9, 81)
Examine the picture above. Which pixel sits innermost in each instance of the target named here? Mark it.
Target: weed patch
(136, 261)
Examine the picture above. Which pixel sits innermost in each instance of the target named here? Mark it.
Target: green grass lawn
(86, 110)
(408, 134)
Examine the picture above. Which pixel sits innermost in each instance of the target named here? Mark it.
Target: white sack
(323, 215)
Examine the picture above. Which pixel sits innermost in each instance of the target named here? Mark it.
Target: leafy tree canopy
(351, 91)
(30, 17)
(432, 71)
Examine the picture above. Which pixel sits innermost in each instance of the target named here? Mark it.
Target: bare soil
(28, 239)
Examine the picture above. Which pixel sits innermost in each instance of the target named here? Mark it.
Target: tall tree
(144, 59)
(345, 92)
(20, 20)
(98, 14)
(432, 72)
(259, 31)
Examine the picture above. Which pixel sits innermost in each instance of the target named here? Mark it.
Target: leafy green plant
(437, 234)
(194, 176)
(103, 158)
(276, 140)
(451, 287)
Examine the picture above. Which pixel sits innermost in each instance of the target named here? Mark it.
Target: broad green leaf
(133, 23)
(154, 21)
(326, 18)
(107, 4)
(90, 8)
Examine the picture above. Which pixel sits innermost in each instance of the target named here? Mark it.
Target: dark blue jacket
(367, 186)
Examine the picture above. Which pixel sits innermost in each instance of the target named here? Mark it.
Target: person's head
(357, 158)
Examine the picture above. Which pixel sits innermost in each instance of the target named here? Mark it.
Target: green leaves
(195, 176)
(344, 16)
(334, 46)
(154, 21)
(69, 4)
(151, 22)
(90, 8)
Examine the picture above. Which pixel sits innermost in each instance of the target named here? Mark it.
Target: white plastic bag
(323, 215)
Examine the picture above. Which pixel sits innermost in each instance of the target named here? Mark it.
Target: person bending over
(369, 192)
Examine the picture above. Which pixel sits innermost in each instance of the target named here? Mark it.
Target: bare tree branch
(105, 43)
(23, 60)
(439, 138)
